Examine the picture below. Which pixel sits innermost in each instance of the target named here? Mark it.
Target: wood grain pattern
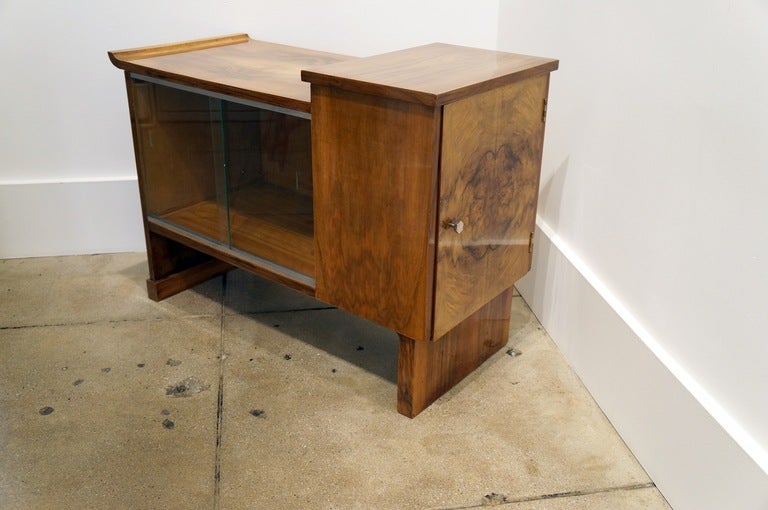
(426, 370)
(119, 56)
(178, 147)
(174, 267)
(238, 259)
(286, 152)
(162, 288)
(489, 179)
(267, 221)
(236, 66)
(167, 257)
(375, 182)
(433, 74)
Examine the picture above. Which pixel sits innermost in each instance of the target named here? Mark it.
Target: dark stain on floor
(78, 382)
(187, 387)
(45, 411)
(168, 424)
(494, 499)
(258, 413)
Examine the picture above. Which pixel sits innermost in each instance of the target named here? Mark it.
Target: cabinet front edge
(420, 96)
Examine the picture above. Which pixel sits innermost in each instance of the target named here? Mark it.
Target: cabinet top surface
(235, 65)
(433, 74)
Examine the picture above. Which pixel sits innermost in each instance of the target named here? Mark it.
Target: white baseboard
(40, 219)
(696, 454)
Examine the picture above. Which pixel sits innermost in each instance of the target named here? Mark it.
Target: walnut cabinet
(400, 187)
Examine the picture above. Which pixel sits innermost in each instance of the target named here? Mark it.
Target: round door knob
(458, 226)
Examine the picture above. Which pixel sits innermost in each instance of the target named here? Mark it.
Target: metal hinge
(530, 243)
(544, 111)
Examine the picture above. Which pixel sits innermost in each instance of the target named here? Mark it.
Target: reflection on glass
(270, 185)
(233, 173)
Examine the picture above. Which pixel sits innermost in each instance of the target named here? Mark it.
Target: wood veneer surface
(375, 163)
(234, 65)
(433, 74)
(266, 221)
(426, 370)
(489, 179)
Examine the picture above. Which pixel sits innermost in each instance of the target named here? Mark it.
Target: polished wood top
(434, 74)
(234, 65)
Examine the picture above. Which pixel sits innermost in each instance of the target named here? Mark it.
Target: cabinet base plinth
(428, 369)
(162, 288)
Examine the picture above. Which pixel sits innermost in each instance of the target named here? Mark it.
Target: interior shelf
(265, 220)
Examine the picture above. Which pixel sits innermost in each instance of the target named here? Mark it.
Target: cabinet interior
(236, 174)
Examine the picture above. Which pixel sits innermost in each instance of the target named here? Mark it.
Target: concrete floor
(243, 394)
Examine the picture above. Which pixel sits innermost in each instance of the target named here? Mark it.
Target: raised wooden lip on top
(233, 65)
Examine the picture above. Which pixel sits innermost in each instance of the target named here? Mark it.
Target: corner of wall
(697, 460)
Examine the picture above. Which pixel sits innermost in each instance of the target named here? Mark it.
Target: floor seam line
(219, 402)
(588, 492)
(557, 495)
(293, 310)
(108, 321)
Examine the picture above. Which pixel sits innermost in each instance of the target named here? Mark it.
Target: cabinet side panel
(136, 136)
(164, 256)
(374, 186)
(489, 180)
(178, 148)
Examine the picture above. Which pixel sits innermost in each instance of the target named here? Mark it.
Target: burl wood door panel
(375, 185)
(489, 180)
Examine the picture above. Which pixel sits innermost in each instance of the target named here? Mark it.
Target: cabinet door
(489, 180)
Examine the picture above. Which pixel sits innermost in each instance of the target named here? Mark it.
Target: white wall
(653, 187)
(65, 116)
(653, 224)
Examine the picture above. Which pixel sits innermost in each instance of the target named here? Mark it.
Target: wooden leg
(427, 369)
(157, 290)
(174, 267)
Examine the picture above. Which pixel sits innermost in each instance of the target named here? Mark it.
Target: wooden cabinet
(400, 187)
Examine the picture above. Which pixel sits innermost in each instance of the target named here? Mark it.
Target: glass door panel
(179, 136)
(239, 174)
(269, 166)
